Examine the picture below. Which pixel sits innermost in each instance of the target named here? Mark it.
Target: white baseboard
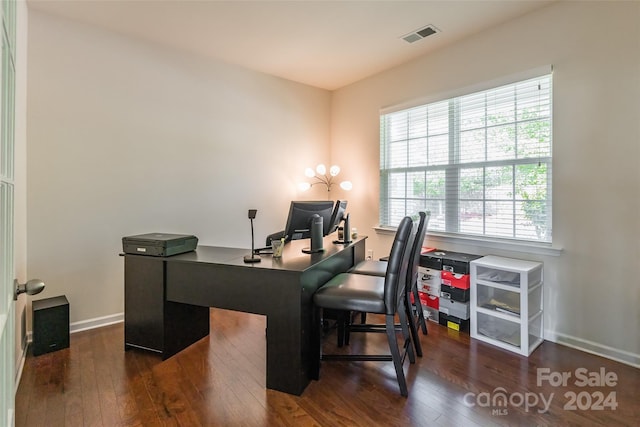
(618, 355)
(97, 322)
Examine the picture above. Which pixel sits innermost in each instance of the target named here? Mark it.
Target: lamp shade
(320, 176)
(346, 185)
(304, 186)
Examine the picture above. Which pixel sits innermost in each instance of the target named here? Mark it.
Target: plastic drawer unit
(507, 303)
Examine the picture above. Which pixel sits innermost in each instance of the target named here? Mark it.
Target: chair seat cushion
(352, 292)
(370, 267)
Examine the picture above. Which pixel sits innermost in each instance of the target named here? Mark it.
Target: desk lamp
(253, 257)
(321, 177)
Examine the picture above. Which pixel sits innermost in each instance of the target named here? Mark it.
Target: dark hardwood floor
(220, 381)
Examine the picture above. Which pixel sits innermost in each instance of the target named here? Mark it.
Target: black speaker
(50, 324)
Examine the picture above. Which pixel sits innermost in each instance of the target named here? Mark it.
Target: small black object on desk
(346, 231)
(316, 225)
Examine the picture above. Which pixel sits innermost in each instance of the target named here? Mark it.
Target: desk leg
(151, 322)
(287, 364)
(316, 344)
(184, 324)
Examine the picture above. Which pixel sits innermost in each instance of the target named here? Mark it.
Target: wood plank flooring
(220, 381)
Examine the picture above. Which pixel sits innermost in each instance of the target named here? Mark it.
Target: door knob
(32, 287)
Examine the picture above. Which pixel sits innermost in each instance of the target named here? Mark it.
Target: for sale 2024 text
(581, 377)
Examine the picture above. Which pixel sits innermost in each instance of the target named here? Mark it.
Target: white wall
(128, 138)
(592, 297)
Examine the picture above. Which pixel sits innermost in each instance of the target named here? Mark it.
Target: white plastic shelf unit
(506, 303)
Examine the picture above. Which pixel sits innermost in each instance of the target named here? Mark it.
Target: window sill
(485, 242)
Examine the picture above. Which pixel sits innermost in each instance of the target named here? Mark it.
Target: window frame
(454, 167)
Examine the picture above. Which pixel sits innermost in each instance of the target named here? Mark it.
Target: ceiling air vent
(416, 35)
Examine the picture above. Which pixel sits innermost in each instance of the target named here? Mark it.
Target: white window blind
(481, 162)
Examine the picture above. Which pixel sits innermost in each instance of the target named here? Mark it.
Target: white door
(7, 315)
(7, 268)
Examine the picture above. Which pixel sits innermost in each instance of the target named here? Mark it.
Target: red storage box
(460, 281)
(427, 300)
(430, 300)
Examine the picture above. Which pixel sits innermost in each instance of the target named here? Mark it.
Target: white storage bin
(507, 303)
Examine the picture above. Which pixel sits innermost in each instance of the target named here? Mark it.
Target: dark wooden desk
(167, 300)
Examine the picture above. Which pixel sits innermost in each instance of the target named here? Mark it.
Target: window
(481, 163)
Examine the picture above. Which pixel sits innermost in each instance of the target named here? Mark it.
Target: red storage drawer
(427, 300)
(430, 301)
(460, 281)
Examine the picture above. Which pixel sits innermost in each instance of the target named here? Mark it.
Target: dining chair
(379, 268)
(385, 295)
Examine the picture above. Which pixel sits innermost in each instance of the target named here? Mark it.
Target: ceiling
(325, 43)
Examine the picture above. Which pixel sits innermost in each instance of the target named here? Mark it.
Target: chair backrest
(404, 283)
(397, 264)
(414, 261)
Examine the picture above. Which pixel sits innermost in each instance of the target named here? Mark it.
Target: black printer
(159, 244)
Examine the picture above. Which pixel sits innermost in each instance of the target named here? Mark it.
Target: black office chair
(372, 294)
(274, 236)
(379, 268)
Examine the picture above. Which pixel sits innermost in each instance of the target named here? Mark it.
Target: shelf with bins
(507, 303)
